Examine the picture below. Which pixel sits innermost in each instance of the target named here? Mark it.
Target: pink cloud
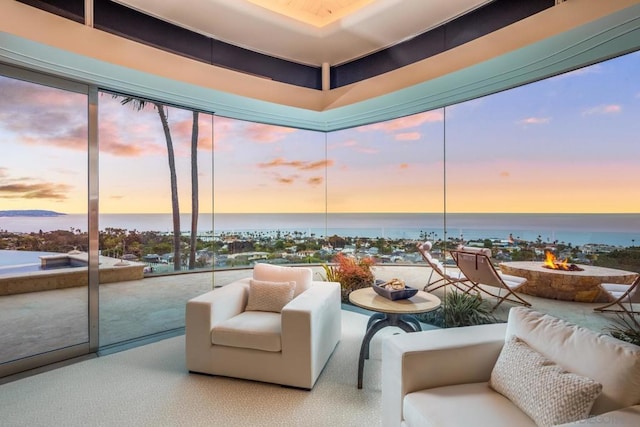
(43, 190)
(535, 121)
(367, 150)
(408, 136)
(267, 134)
(316, 180)
(603, 109)
(297, 164)
(112, 143)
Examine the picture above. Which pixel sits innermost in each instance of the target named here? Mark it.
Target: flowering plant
(351, 273)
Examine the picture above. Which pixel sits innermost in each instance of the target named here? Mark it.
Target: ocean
(577, 229)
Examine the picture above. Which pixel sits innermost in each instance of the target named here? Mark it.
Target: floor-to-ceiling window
(385, 189)
(544, 167)
(269, 193)
(549, 167)
(155, 214)
(43, 220)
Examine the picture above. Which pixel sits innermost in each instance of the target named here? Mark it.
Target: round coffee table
(389, 313)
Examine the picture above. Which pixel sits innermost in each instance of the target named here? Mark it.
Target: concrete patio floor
(37, 322)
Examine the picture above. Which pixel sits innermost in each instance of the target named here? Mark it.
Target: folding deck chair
(479, 270)
(447, 277)
(621, 294)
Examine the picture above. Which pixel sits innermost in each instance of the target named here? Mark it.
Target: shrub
(460, 309)
(625, 329)
(351, 273)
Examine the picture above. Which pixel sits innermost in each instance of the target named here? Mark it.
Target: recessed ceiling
(286, 29)
(313, 12)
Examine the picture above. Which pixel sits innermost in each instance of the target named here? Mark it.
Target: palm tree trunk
(194, 192)
(175, 208)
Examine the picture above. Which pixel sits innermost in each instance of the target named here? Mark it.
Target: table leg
(407, 318)
(382, 320)
(374, 318)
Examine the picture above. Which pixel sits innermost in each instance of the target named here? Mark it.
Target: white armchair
(290, 347)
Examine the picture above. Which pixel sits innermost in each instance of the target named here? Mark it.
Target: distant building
(239, 246)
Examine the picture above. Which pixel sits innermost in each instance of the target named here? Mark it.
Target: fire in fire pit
(553, 264)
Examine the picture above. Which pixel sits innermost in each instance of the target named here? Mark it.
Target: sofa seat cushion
(462, 405)
(258, 330)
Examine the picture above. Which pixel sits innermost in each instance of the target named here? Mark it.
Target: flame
(551, 262)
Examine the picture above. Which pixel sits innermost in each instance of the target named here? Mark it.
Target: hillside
(30, 212)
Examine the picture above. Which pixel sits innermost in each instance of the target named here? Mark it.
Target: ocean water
(577, 229)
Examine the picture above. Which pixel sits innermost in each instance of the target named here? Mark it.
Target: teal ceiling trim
(610, 36)
(607, 38)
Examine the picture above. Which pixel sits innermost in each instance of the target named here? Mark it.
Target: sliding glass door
(44, 315)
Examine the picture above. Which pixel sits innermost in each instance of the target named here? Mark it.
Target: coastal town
(241, 249)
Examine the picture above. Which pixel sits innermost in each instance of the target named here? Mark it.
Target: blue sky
(565, 144)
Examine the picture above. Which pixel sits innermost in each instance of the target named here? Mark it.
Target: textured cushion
(543, 390)
(269, 296)
(276, 273)
(258, 330)
(613, 363)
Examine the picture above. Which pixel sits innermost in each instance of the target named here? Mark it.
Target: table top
(368, 299)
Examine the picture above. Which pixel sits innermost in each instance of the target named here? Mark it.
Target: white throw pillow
(540, 388)
(279, 273)
(269, 296)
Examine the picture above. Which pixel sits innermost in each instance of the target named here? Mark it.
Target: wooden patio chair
(479, 270)
(446, 276)
(620, 295)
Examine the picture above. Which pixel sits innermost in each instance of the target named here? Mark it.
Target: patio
(133, 310)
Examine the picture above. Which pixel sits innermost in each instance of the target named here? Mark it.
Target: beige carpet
(149, 386)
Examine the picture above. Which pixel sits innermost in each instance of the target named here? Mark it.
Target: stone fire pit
(581, 286)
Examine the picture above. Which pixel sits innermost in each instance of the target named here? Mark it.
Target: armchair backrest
(303, 276)
(614, 364)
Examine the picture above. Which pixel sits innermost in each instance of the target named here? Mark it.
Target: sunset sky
(567, 144)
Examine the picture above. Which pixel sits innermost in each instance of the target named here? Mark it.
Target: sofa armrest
(311, 327)
(629, 416)
(206, 310)
(436, 358)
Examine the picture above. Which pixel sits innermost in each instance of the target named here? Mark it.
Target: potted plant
(351, 273)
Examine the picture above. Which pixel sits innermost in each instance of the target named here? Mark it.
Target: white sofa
(289, 348)
(442, 377)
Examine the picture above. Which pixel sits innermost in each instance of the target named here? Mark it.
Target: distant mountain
(30, 212)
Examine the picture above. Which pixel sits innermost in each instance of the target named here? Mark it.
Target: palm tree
(139, 104)
(194, 192)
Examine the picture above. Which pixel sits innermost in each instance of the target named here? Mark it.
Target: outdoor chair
(447, 277)
(620, 295)
(479, 270)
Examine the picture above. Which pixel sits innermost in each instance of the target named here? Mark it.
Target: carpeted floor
(149, 386)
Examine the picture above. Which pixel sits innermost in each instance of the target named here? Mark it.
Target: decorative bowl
(391, 294)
